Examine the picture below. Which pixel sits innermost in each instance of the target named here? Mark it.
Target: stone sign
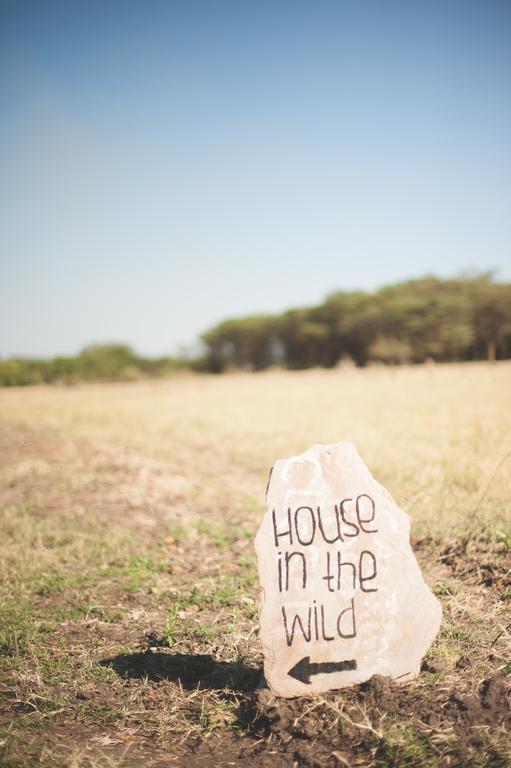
(342, 595)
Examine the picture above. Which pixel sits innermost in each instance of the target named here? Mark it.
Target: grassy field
(128, 593)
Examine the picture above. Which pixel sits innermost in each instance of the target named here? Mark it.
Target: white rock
(342, 595)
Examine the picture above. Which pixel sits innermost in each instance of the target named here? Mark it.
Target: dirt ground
(128, 599)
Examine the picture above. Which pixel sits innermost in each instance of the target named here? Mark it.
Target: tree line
(98, 362)
(410, 322)
(466, 318)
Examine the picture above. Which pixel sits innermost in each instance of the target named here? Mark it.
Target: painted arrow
(303, 670)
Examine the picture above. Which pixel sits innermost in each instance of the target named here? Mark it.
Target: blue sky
(165, 165)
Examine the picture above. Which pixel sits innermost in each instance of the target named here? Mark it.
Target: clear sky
(164, 165)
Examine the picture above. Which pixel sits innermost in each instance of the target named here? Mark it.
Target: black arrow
(303, 670)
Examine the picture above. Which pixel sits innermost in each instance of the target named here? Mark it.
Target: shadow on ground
(190, 670)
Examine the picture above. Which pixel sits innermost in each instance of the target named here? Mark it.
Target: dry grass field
(128, 593)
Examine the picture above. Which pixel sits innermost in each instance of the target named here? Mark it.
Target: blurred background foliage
(99, 362)
(427, 319)
(467, 318)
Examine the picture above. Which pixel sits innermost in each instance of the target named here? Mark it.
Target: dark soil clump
(383, 723)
